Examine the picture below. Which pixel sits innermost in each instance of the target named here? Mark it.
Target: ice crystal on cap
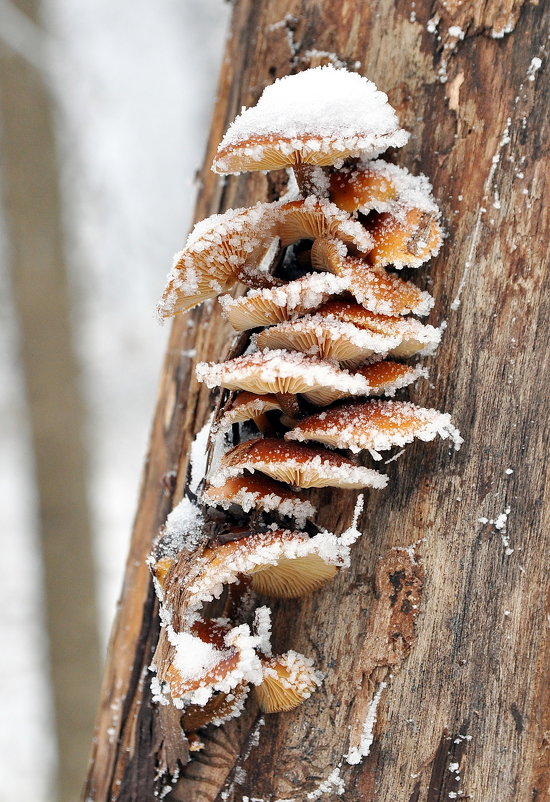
(279, 371)
(372, 286)
(183, 529)
(288, 679)
(260, 493)
(376, 426)
(220, 249)
(384, 378)
(297, 465)
(273, 305)
(318, 117)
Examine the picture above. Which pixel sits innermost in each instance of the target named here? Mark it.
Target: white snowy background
(134, 82)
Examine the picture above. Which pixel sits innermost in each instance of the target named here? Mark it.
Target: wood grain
(471, 686)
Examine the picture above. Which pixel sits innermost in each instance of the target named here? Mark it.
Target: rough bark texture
(457, 634)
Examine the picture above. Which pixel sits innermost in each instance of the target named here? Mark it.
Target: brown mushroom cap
(273, 305)
(384, 378)
(375, 425)
(314, 218)
(289, 679)
(221, 707)
(248, 406)
(318, 116)
(372, 286)
(408, 335)
(258, 492)
(280, 372)
(381, 186)
(297, 465)
(404, 242)
(219, 250)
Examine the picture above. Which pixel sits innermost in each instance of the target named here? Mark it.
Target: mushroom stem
(289, 404)
(312, 180)
(264, 425)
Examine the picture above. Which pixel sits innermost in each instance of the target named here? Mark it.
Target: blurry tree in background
(104, 111)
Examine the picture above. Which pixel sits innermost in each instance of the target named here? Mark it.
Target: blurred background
(104, 113)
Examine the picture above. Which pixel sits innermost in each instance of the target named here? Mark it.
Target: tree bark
(434, 642)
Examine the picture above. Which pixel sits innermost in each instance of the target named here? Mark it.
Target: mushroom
(375, 426)
(221, 707)
(263, 307)
(283, 373)
(220, 251)
(297, 465)
(259, 493)
(211, 657)
(313, 218)
(316, 117)
(406, 241)
(249, 406)
(288, 679)
(381, 186)
(384, 378)
(372, 286)
(407, 334)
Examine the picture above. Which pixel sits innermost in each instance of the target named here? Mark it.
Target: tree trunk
(433, 641)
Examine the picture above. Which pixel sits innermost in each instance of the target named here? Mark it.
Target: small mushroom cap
(273, 305)
(258, 492)
(409, 336)
(381, 186)
(221, 707)
(279, 372)
(375, 425)
(318, 116)
(196, 665)
(297, 465)
(289, 679)
(219, 250)
(160, 569)
(373, 287)
(314, 218)
(404, 242)
(384, 378)
(247, 406)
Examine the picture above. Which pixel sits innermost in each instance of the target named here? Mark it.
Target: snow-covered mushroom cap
(273, 305)
(375, 426)
(281, 372)
(318, 117)
(221, 707)
(372, 286)
(384, 378)
(248, 406)
(258, 492)
(383, 187)
(406, 241)
(210, 657)
(405, 335)
(288, 680)
(313, 218)
(297, 465)
(220, 249)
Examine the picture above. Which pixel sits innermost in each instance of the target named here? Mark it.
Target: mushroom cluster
(329, 321)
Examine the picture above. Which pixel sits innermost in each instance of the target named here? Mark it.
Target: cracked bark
(471, 685)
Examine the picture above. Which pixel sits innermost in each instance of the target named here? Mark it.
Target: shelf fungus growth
(307, 391)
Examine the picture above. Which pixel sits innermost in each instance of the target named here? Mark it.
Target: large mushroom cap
(375, 425)
(219, 250)
(258, 492)
(318, 116)
(297, 465)
(280, 372)
(263, 307)
(407, 335)
(384, 378)
(372, 286)
(406, 241)
(288, 680)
